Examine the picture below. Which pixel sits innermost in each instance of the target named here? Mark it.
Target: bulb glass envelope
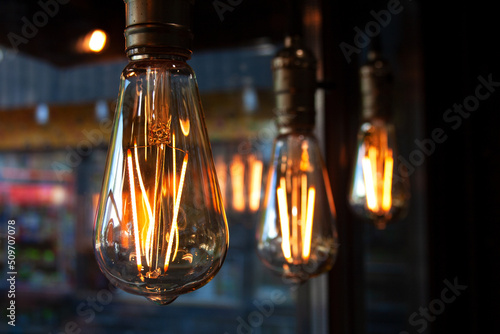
(297, 237)
(160, 229)
(379, 191)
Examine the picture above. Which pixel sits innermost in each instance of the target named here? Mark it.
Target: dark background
(457, 42)
(451, 45)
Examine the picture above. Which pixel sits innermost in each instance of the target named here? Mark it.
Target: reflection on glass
(161, 229)
(245, 177)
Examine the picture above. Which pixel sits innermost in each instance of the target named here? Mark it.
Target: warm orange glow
(221, 168)
(174, 185)
(372, 155)
(371, 199)
(185, 126)
(188, 257)
(174, 167)
(150, 222)
(303, 203)
(378, 186)
(306, 242)
(173, 229)
(134, 210)
(284, 220)
(304, 158)
(97, 41)
(237, 171)
(147, 245)
(295, 223)
(255, 184)
(387, 196)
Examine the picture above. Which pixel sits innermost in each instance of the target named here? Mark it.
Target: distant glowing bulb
(297, 237)
(375, 192)
(97, 41)
(379, 186)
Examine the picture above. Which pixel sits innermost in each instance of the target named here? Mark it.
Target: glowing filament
(221, 168)
(371, 197)
(174, 179)
(149, 248)
(378, 186)
(173, 228)
(284, 221)
(148, 207)
(255, 184)
(295, 224)
(387, 197)
(303, 203)
(306, 246)
(185, 126)
(134, 210)
(237, 171)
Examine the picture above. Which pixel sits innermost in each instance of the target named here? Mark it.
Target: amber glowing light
(302, 240)
(378, 185)
(297, 236)
(160, 229)
(97, 41)
(245, 173)
(379, 188)
(237, 171)
(256, 169)
(376, 192)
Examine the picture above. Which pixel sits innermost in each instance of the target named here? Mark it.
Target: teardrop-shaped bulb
(379, 185)
(160, 229)
(297, 237)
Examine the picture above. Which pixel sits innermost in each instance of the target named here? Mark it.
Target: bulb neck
(376, 88)
(295, 120)
(158, 26)
(294, 76)
(164, 55)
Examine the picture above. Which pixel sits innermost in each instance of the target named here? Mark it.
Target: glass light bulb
(297, 237)
(160, 228)
(379, 186)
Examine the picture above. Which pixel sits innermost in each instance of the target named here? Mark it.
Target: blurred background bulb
(93, 42)
(160, 229)
(296, 237)
(379, 186)
(97, 41)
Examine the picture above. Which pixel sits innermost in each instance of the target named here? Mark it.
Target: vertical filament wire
(146, 202)
(284, 221)
(306, 246)
(387, 196)
(256, 168)
(176, 212)
(134, 210)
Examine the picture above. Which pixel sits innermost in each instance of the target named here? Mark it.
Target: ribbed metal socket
(294, 74)
(376, 87)
(157, 26)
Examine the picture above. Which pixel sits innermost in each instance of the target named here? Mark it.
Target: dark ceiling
(56, 37)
